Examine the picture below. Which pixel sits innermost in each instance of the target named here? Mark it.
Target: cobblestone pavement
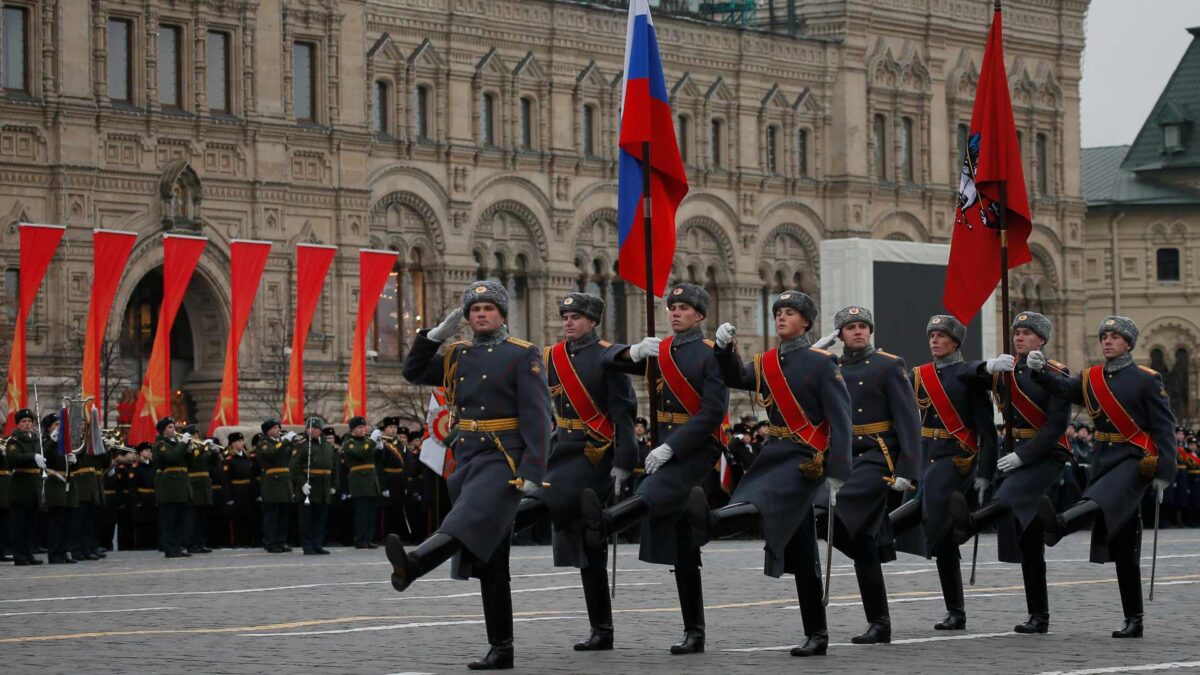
(244, 611)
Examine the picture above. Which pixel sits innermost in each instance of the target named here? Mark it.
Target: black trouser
(60, 534)
(172, 525)
(1033, 569)
(803, 556)
(313, 518)
(595, 591)
(950, 575)
(85, 516)
(364, 520)
(5, 530)
(275, 524)
(1125, 550)
(197, 527)
(496, 588)
(688, 582)
(24, 530)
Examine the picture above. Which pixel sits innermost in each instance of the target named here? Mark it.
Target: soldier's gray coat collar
(490, 339)
(1123, 361)
(949, 360)
(585, 341)
(853, 356)
(788, 346)
(687, 336)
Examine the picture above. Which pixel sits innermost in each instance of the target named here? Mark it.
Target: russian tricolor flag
(646, 119)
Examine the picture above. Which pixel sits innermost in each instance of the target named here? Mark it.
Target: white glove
(229, 503)
(306, 489)
(289, 436)
(1160, 486)
(72, 458)
(725, 334)
(447, 327)
(40, 461)
(54, 435)
(345, 497)
(1036, 360)
(647, 347)
(658, 457)
(376, 435)
(258, 500)
(1010, 462)
(186, 438)
(901, 484)
(827, 340)
(333, 491)
(619, 477)
(1003, 363)
(528, 488)
(386, 493)
(833, 485)
(982, 484)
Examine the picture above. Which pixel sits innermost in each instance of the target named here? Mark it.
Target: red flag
(246, 262)
(993, 157)
(180, 255)
(373, 270)
(37, 248)
(312, 263)
(110, 252)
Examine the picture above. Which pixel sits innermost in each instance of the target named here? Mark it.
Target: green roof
(1179, 103)
(1107, 181)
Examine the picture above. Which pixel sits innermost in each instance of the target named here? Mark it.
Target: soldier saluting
(594, 447)
(1031, 470)
(959, 441)
(1135, 449)
(496, 384)
(693, 400)
(809, 413)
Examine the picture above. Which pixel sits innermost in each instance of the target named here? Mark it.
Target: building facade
(1140, 252)
(477, 138)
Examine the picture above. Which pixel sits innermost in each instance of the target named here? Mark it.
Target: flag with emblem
(246, 262)
(37, 246)
(437, 452)
(650, 167)
(180, 255)
(992, 220)
(312, 264)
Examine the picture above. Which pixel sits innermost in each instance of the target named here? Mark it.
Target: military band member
(172, 488)
(809, 411)
(1135, 450)
(959, 443)
(496, 385)
(241, 491)
(1030, 471)
(86, 483)
(594, 447)
(414, 489)
(23, 455)
(314, 476)
(274, 451)
(145, 510)
(392, 478)
(61, 502)
(693, 400)
(360, 454)
(200, 460)
(886, 445)
(5, 503)
(116, 522)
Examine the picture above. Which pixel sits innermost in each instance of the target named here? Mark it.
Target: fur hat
(851, 314)
(798, 301)
(1121, 325)
(689, 294)
(161, 424)
(949, 325)
(584, 304)
(485, 291)
(1035, 322)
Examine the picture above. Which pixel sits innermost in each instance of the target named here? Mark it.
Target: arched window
(526, 121)
(802, 153)
(421, 113)
(685, 138)
(1043, 170)
(718, 137)
(379, 108)
(879, 142)
(487, 119)
(906, 149)
(589, 131)
(771, 160)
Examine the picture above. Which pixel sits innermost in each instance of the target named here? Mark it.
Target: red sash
(1115, 411)
(1030, 410)
(793, 415)
(945, 409)
(682, 389)
(578, 394)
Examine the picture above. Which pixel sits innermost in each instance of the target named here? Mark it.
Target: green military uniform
(86, 483)
(24, 491)
(274, 454)
(363, 478)
(172, 490)
(314, 462)
(60, 500)
(57, 494)
(5, 489)
(200, 463)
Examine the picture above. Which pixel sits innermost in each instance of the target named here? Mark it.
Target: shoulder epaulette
(887, 354)
(708, 342)
(460, 343)
(1149, 370)
(520, 343)
(1056, 364)
(820, 351)
(605, 344)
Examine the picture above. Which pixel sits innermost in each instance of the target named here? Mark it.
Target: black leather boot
(599, 606)
(875, 606)
(950, 577)
(906, 516)
(497, 616)
(812, 614)
(691, 605)
(1055, 525)
(967, 524)
(1129, 581)
(408, 566)
(723, 522)
(529, 512)
(601, 523)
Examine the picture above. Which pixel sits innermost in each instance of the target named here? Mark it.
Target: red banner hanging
(180, 255)
(110, 252)
(374, 267)
(37, 248)
(312, 263)
(246, 262)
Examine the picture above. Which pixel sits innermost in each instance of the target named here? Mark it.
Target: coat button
(860, 410)
(485, 377)
(860, 383)
(860, 438)
(489, 350)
